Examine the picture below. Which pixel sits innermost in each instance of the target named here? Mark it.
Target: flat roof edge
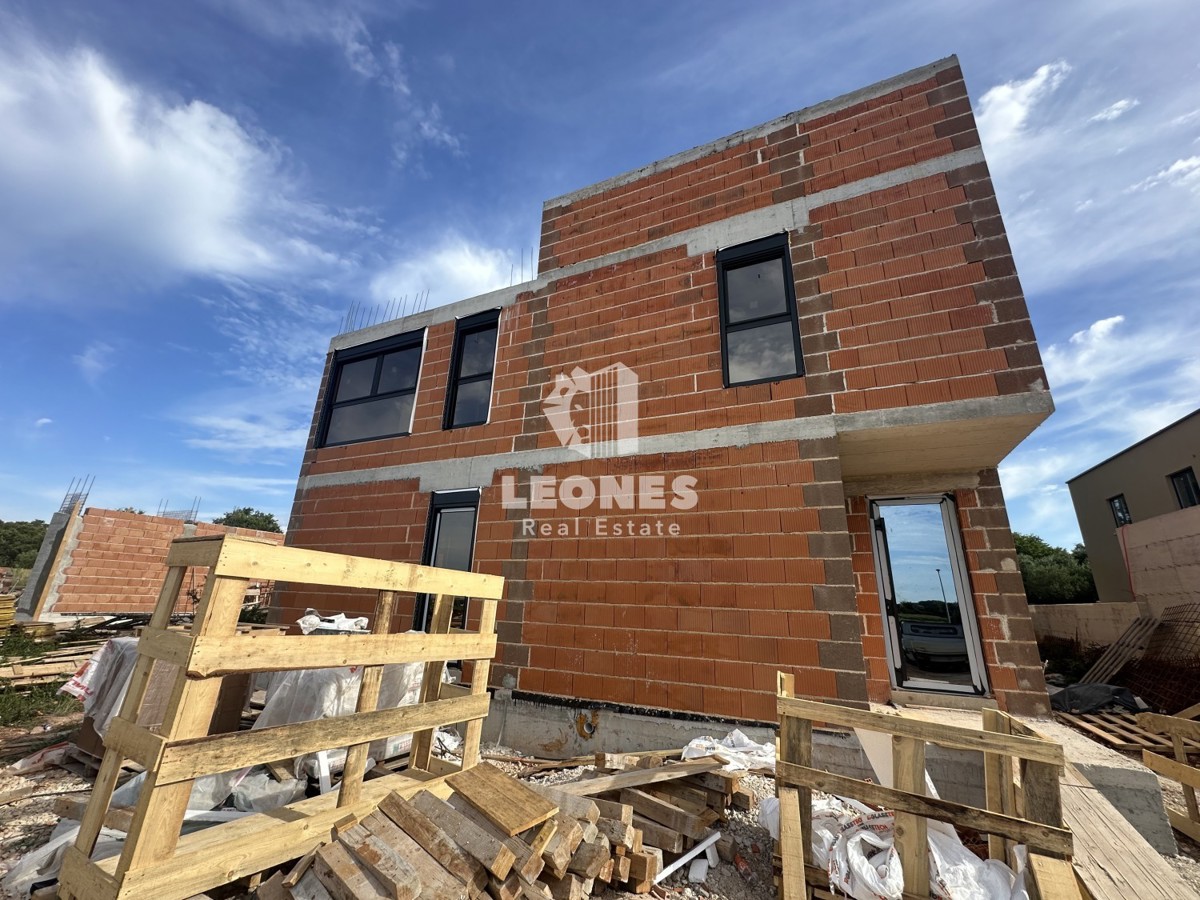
(824, 107)
(1135, 445)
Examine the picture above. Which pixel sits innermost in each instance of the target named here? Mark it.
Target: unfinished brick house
(746, 418)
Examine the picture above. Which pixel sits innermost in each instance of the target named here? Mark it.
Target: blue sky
(193, 194)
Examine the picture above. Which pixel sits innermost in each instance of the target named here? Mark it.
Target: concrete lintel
(1023, 411)
(909, 485)
(824, 108)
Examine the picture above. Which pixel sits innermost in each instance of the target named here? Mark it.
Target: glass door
(929, 618)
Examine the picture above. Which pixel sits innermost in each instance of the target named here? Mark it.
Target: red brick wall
(119, 561)
(1010, 653)
(906, 126)
(906, 295)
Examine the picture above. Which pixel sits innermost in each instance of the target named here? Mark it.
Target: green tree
(246, 517)
(1052, 574)
(19, 542)
(132, 509)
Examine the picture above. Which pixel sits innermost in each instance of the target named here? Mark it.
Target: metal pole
(945, 602)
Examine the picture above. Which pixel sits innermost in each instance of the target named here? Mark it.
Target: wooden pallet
(1021, 777)
(1181, 732)
(156, 862)
(1128, 646)
(1121, 731)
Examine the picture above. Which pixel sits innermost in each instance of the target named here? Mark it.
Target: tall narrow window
(1187, 492)
(760, 334)
(1120, 510)
(472, 364)
(372, 390)
(449, 544)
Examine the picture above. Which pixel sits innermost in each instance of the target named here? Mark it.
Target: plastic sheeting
(743, 754)
(854, 844)
(100, 683)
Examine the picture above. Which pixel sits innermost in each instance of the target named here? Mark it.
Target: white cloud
(137, 186)
(1181, 173)
(453, 269)
(1005, 109)
(343, 25)
(43, 422)
(1115, 111)
(94, 361)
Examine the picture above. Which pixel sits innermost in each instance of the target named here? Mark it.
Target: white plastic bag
(44, 863)
(742, 753)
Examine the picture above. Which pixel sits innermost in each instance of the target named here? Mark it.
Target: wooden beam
(951, 736)
(1042, 837)
(431, 681)
(184, 760)
(1184, 728)
(911, 837)
(247, 558)
(791, 845)
(165, 644)
(256, 652)
(507, 803)
(1055, 879)
(637, 777)
(1181, 772)
(368, 701)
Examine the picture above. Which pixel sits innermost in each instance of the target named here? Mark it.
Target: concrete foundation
(554, 731)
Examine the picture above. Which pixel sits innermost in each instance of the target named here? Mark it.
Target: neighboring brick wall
(1010, 653)
(118, 563)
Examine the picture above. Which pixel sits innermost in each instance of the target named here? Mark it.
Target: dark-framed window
(1187, 492)
(472, 365)
(760, 332)
(449, 544)
(1120, 510)
(372, 391)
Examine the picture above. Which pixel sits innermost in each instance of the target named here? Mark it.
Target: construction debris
(483, 830)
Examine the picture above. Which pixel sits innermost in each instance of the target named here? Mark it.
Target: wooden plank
(1191, 712)
(479, 681)
(795, 746)
(998, 784)
(258, 652)
(952, 736)
(436, 883)
(355, 765)
(309, 887)
(911, 838)
(343, 877)
(528, 864)
(1042, 837)
(492, 852)
(1055, 879)
(610, 809)
(507, 803)
(215, 856)
(665, 813)
(110, 768)
(1184, 825)
(1189, 786)
(1103, 735)
(384, 861)
(161, 805)
(657, 835)
(169, 645)
(186, 759)
(571, 804)
(1188, 729)
(638, 777)
(246, 558)
(434, 840)
(1114, 862)
(1130, 644)
(791, 845)
(431, 681)
(1181, 772)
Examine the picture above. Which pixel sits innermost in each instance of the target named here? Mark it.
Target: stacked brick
(117, 562)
